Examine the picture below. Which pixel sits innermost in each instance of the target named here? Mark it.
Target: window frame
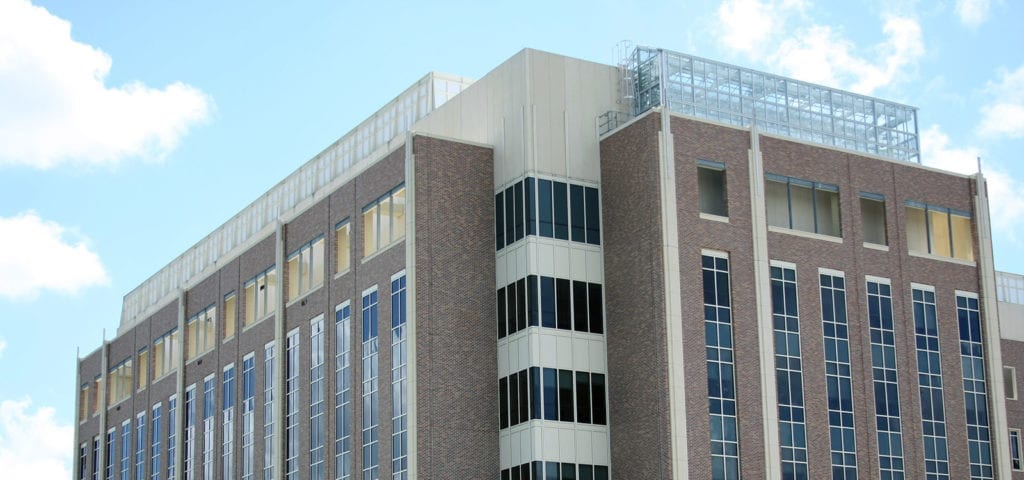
(262, 290)
(929, 231)
(374, 209)
(711, 166)
(346, 225)
(305, 256)
(1020, 449)
(1013, 382)
(814, 187)
(880, 199)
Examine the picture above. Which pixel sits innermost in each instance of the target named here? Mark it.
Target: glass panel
(531, 206)
(343, 255)
(577, 213)
(593, 216)
(801, 207)
(917, 230)
(398, 214)
(499, 221)
(711, 184)
(963, 240)
(293, 276)
(561, 203)
(565, 399)
(939, 224)
(563, 305)
(370, 231)
(872, 216)
(317, 261)
(579, 306)
(777, 200)
(827, 212)
(193, 336)
(230, 315)
(544, 208)
(271, 296)
(384, 225)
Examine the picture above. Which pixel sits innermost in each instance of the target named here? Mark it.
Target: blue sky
(129, 130)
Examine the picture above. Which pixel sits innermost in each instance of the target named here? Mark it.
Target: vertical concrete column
(279, 355)
(762, 291)
(990, 320)
(179, 436)
(78, 407)
(410, 287)
(102, 396)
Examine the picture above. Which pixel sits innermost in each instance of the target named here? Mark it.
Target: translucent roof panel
(740, 96)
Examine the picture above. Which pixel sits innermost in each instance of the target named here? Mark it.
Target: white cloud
(748, 25)
(32, 443)
(1006, 194)
(1004, 115)
(3, 346)
(57, 107)
(822, 55)
(973, 12)
(35, 255)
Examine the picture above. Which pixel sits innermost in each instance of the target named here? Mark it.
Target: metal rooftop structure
(778, 105)
(361, 146)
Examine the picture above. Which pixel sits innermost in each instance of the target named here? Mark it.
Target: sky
(130, 130)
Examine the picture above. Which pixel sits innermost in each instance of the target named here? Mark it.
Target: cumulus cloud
(3, 346)
(33, 444)
(37, 254)
(747, 25)
(1004, 115)
(1006, 194)
(57, 107)
(973, 12)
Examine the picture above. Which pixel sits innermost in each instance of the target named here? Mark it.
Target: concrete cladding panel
(638, 395)
(456, 350)
(694, 141)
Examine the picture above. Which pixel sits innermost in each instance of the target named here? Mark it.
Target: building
(700, 271)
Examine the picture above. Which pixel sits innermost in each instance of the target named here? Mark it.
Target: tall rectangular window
(317, 420)
(872, 218)
(228, 408)
(370, 374)
(520, 230)
(531, 206)
(343, 397)
(384, 221)
(111, 454)
(306, 268)
(725, 455)
(291, 405)
(972, 361)
(940, 231)
(155, 437)
(260, 296)
(142, 369)
(561, 203)
(119, 382)
(929, 374)
(593, 214)
(201, 332)
(577, 214)
(95, 457)
(83, 403)
(802, 205)
(510, 215)
(126, 448)
(886, 386)
(399, 381)
(545, 208)
(209, 423)
(230, 315)
(189, 415)
(268, 411)
(711, 186)
(499, 220)
(140, 446)
(172, 428)
(789, 373)
(838, 379)
(97, 389)
(343, 246)
(1016, 463)
(1010, 382)
(248, 416)
(83, 459)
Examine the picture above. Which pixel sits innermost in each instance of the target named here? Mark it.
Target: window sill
(381, 250)
(968, 263)
(246, 328)
(303, 296)
(713, 217)
(876, 246)
(801, 233)
(161, 377)
(199, 356)
(342, 273)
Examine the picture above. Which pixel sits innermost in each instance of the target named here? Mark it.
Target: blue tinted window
(545, 208)
(561, 203)
(593, 216)
(520, 232)
(531, 300)
(531, 206)
(499, 221)
(578, 214)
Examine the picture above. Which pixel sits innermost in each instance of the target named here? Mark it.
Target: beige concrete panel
(1011, 321)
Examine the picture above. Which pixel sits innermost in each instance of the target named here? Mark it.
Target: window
(549, 209)
(929, 374)
(711, 185)
(190, 431)
(291, 405)
(228, 407)
(972, 362)
(143, 368)
(165, 353)
(838, 379)
(126, 448)
(552, 394)
(248, 415)
(343, 397)
(111, 453)
(155, 438)
(872, 217)
(939, 231)
(1015, 451)
(1009, 382)
(140, 446)
(230, 315)
(725, 455)
(119, 382)
(83, 457)
(317, 420)
(202, 332)
(802, 205)
(399, 380)
(97, 387)
(371, 422)
(209, 409)
(384, 221)
(172, 405)
(555, 471)
(306, 268)
(789, 372)
(550, 303)
(260, 296)
(343, 246)
(884, 373)
(95, 457)
(83, 403)
(268, 411)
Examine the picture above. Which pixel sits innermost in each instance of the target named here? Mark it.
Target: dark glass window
(531, 297)
(593, 217)
(524, 396)
(596, 308)
(499, 221)
(510, 298)
(505, 475)
(521, 303)
(583, 397)
(600, 412)
(547, 302)
(502, 322)
(535, 401)
(510, 215)
(550, 394)
(568, 471)
(600, 472)
(551, 471)
(577, 213)
(562, 298)
(503, 403)
(561, 203)
(538, 470)
(520, 232)
(565, 401)
(586, 472)
(513, 393)
(544, 205)
(531, 206)
(579, 304)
